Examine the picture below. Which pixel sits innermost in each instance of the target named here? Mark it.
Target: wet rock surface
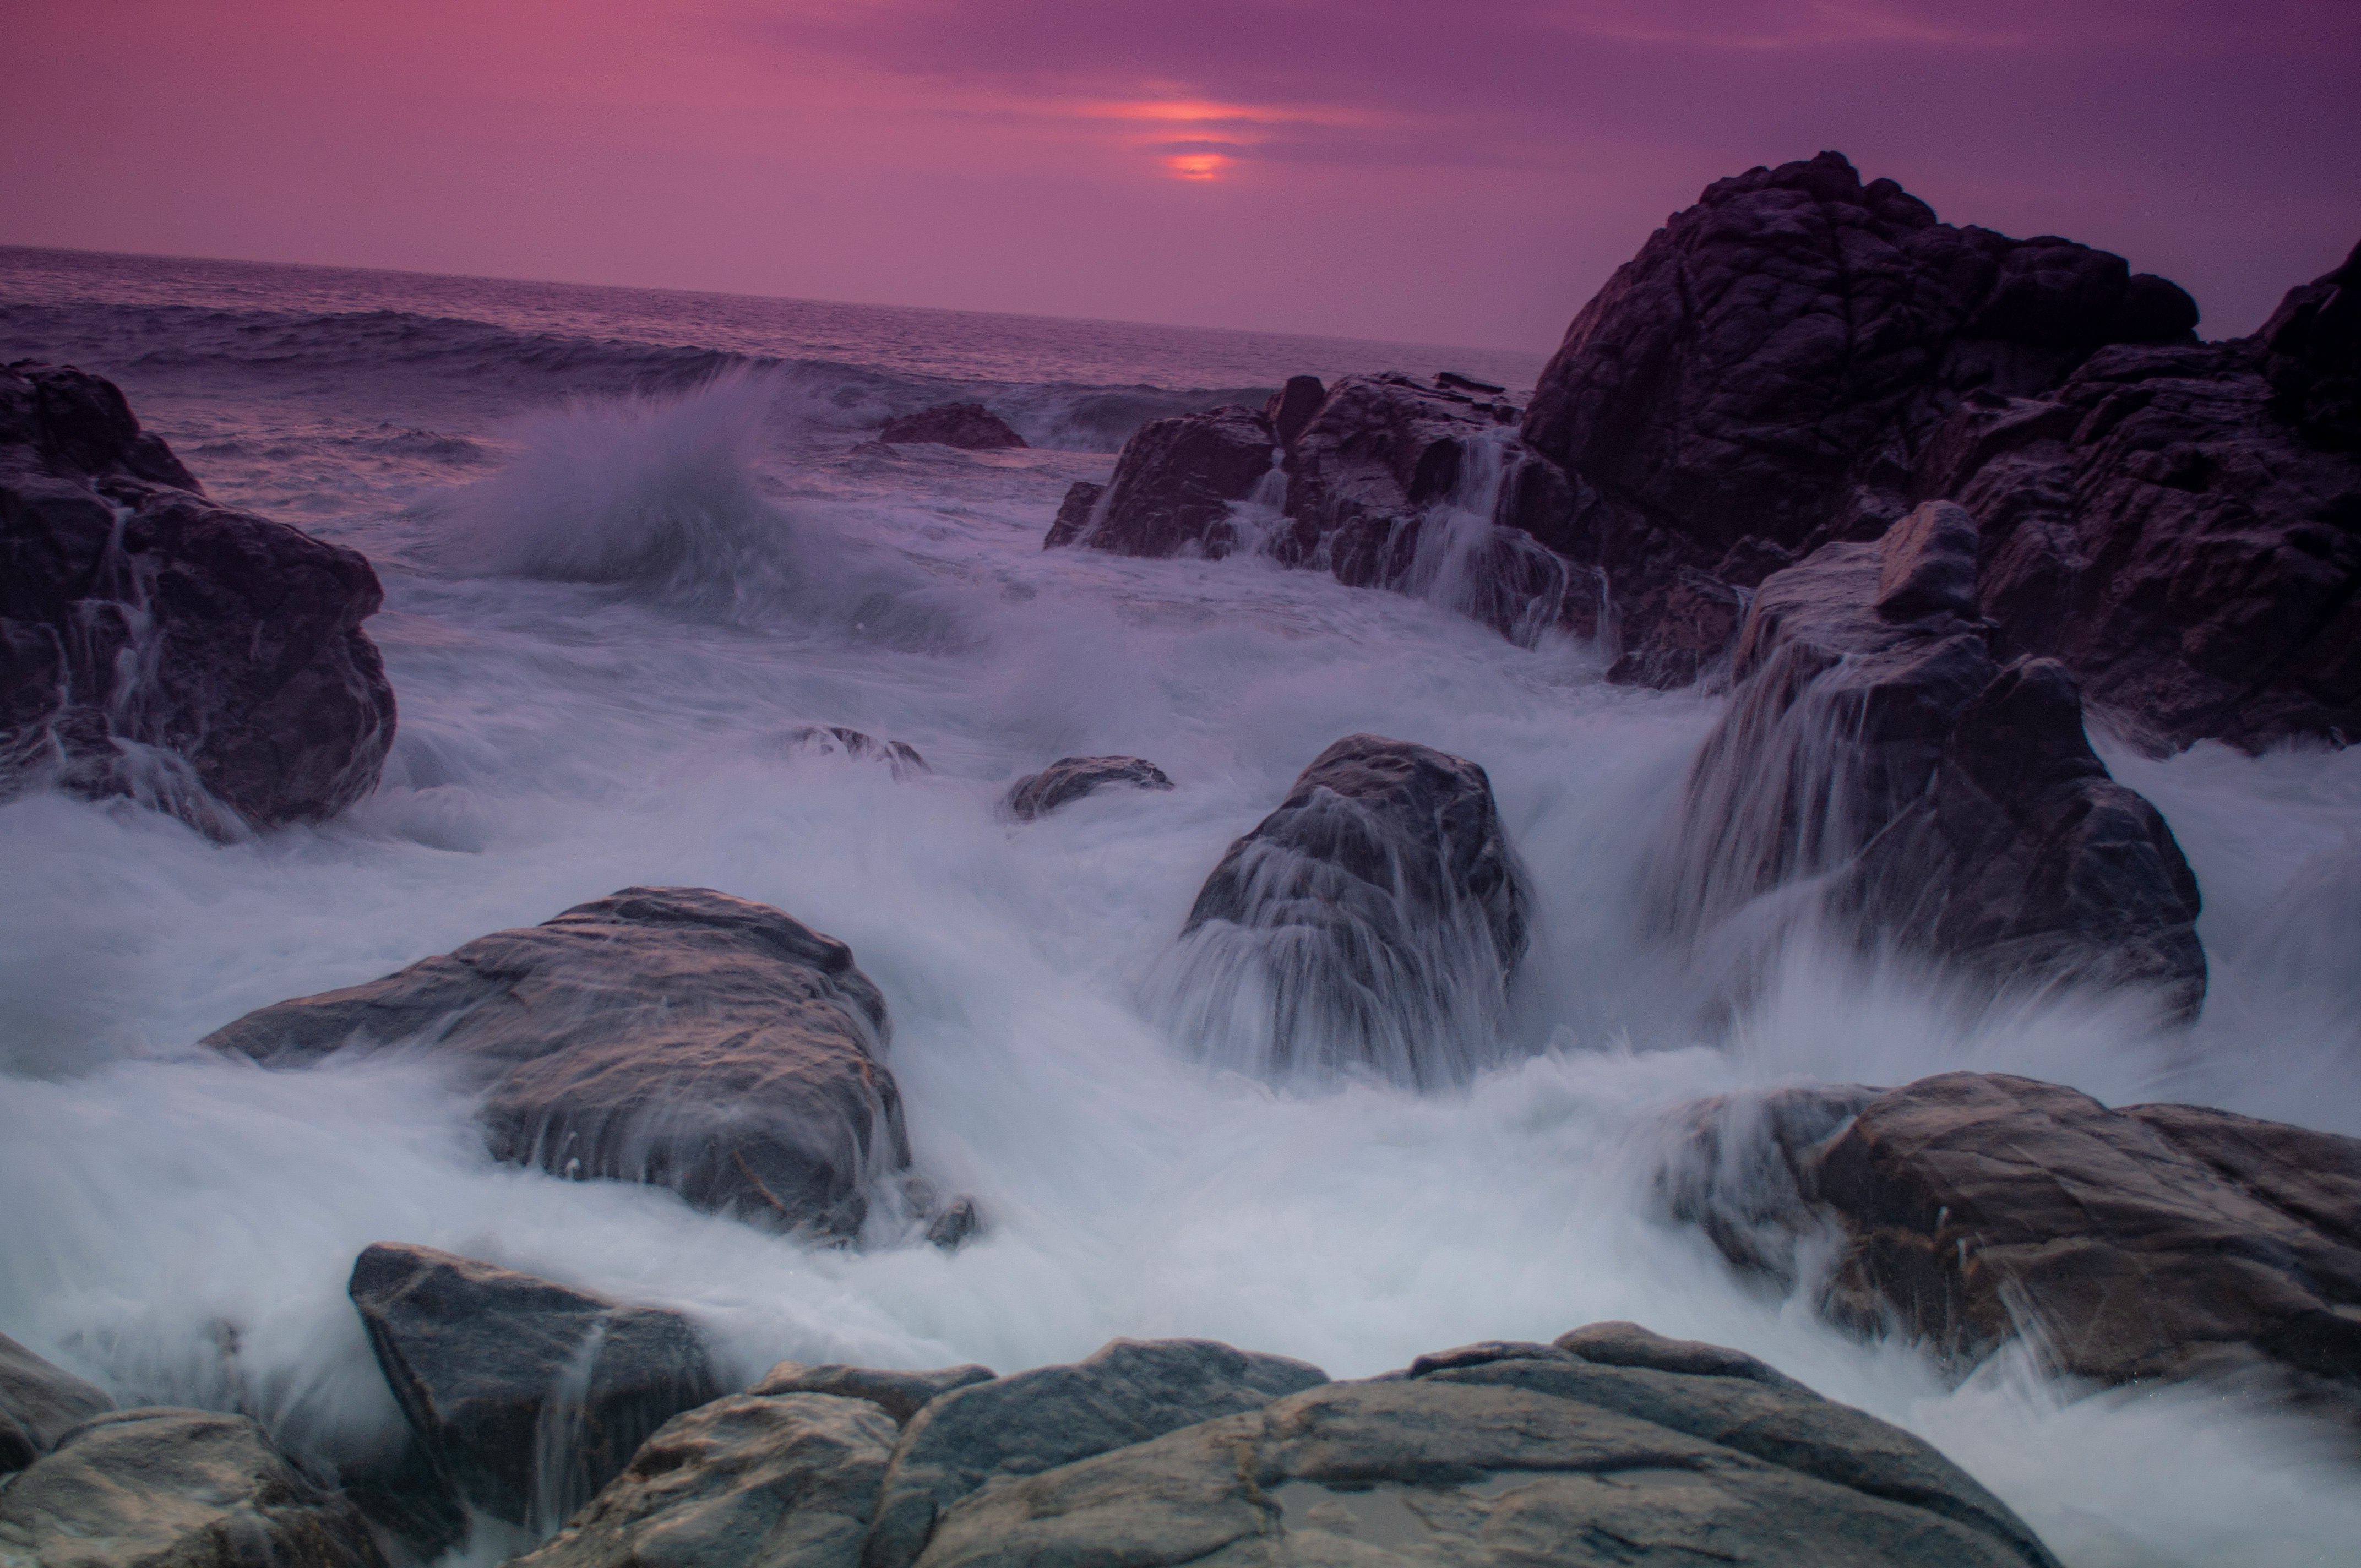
(190, 1488)
(744, 1481)
(526, 1396)
(1373, 919)
(1071, 778)
(1074, 514)
(1173, 486)
(900, 1395)
(156, 646)
(971, 425)
(39, 1403)
(1130, 1391)
(1612, 1446)
(900, 757)
(677, 1035)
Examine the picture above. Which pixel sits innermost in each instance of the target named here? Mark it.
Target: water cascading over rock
(1372, 923)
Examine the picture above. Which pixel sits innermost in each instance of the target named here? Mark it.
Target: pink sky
(1415, 170)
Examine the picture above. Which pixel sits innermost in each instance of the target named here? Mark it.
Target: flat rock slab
(39, 1403)
(527, 1396)
(1613, 1446)
(1071, 778)
(675, 1036)
(744, 1482)
(158, 1487)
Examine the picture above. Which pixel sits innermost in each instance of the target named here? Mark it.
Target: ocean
(632, 541)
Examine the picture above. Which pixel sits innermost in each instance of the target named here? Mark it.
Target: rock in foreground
(156, 646)
(1071, 778)
(969, 426)
(675, 1036)
(171, 1489)
(527, 1396)
(1373, 920)
(39, 1403)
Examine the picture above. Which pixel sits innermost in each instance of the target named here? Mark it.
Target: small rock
(900, 757)
(900, 1395)
(1074, 514)
(969, 426)
(39, 1403)
(958, 1222)
(1071, 778)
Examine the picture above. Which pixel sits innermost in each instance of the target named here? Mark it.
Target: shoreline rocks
(39, 1403)
(968, 425)
(1071, 778)
(155, 646)
(1173, 487)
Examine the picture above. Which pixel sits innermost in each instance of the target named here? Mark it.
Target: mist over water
(605, 618)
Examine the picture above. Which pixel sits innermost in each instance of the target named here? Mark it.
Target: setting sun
(1197, 165)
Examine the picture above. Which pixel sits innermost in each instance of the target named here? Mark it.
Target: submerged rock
(987, 1433)
(156, 646)
(527, 1396)
(1071, 778)
(1373, 920)
(1611, 1446)
(156, 1487)
(900, 1395)
(900, 757)
(39, 1403)
(677, 1035)
(969, 426)
(1173, 486)
(744, 1482)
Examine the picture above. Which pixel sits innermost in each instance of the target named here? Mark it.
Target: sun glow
(1197, 165)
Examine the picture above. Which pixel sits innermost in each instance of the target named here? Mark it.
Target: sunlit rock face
(157, 646)
(675, 1035)
(1760, 378)
(1371, 924)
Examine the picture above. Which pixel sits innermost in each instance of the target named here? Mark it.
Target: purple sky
(1450, 172)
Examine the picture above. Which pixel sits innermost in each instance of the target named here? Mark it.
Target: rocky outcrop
(1371, 922)
(900, 1395)
(188, 1488)
(1970, 1209)
(971, 425)
(901, 758)
(1611, 1446)
(1130, 1391)
(39, 1403)
(744, 1482)
(1762, 377)
(677, 1035)
(1071, 778)
(1174, 485)
(156, 646)
(2183, 525)
(1074, 514)
(1946, 805)
(1291, 407)
(526, 1396)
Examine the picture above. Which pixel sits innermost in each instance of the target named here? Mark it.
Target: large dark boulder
(527, 1397)
(1761, 378)
(1372, 922)
(1611, 1446)
(1291, 407)
(1174, 484)
(1942, 803)
(677, 1035)
(1071, 778)
(2182, 526)
(157, 1488)
(971, 425)
(157, 646)
(39, 1403)
(1129, 1392)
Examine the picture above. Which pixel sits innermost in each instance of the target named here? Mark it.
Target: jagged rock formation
(969, 426)
(1953, 807)
(526, 1397)
(189, 1489)
(1373, 920)
(1071, 778)
(156, 646)
(677, 1035)
(39, 1403)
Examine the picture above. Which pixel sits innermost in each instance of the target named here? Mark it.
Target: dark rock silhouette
(1071, 778)
(39, 1403)
(527, 1397)
(1174, 483)
(1291, 407)
(900, 757)
(1073, 514)
(155, 645)
(971, 425)
(190, 1488)
(900, 1395)
(677, 1035)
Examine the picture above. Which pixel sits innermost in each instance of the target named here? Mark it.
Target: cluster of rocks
(1610, 1446)
(158, 647)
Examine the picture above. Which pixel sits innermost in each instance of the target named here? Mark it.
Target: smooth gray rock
(677, 1035)
(744, 1482)
(1174, 483)
(1656, 1452)
(1071, 778)
(39, 1403)
(1126, 1393)
(156, 646)
(527, 1396)
(969, 425)
(157, 1488)
(900, 1395)
(1375, 917)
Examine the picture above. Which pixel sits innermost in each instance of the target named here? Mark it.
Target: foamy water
(603, 620)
